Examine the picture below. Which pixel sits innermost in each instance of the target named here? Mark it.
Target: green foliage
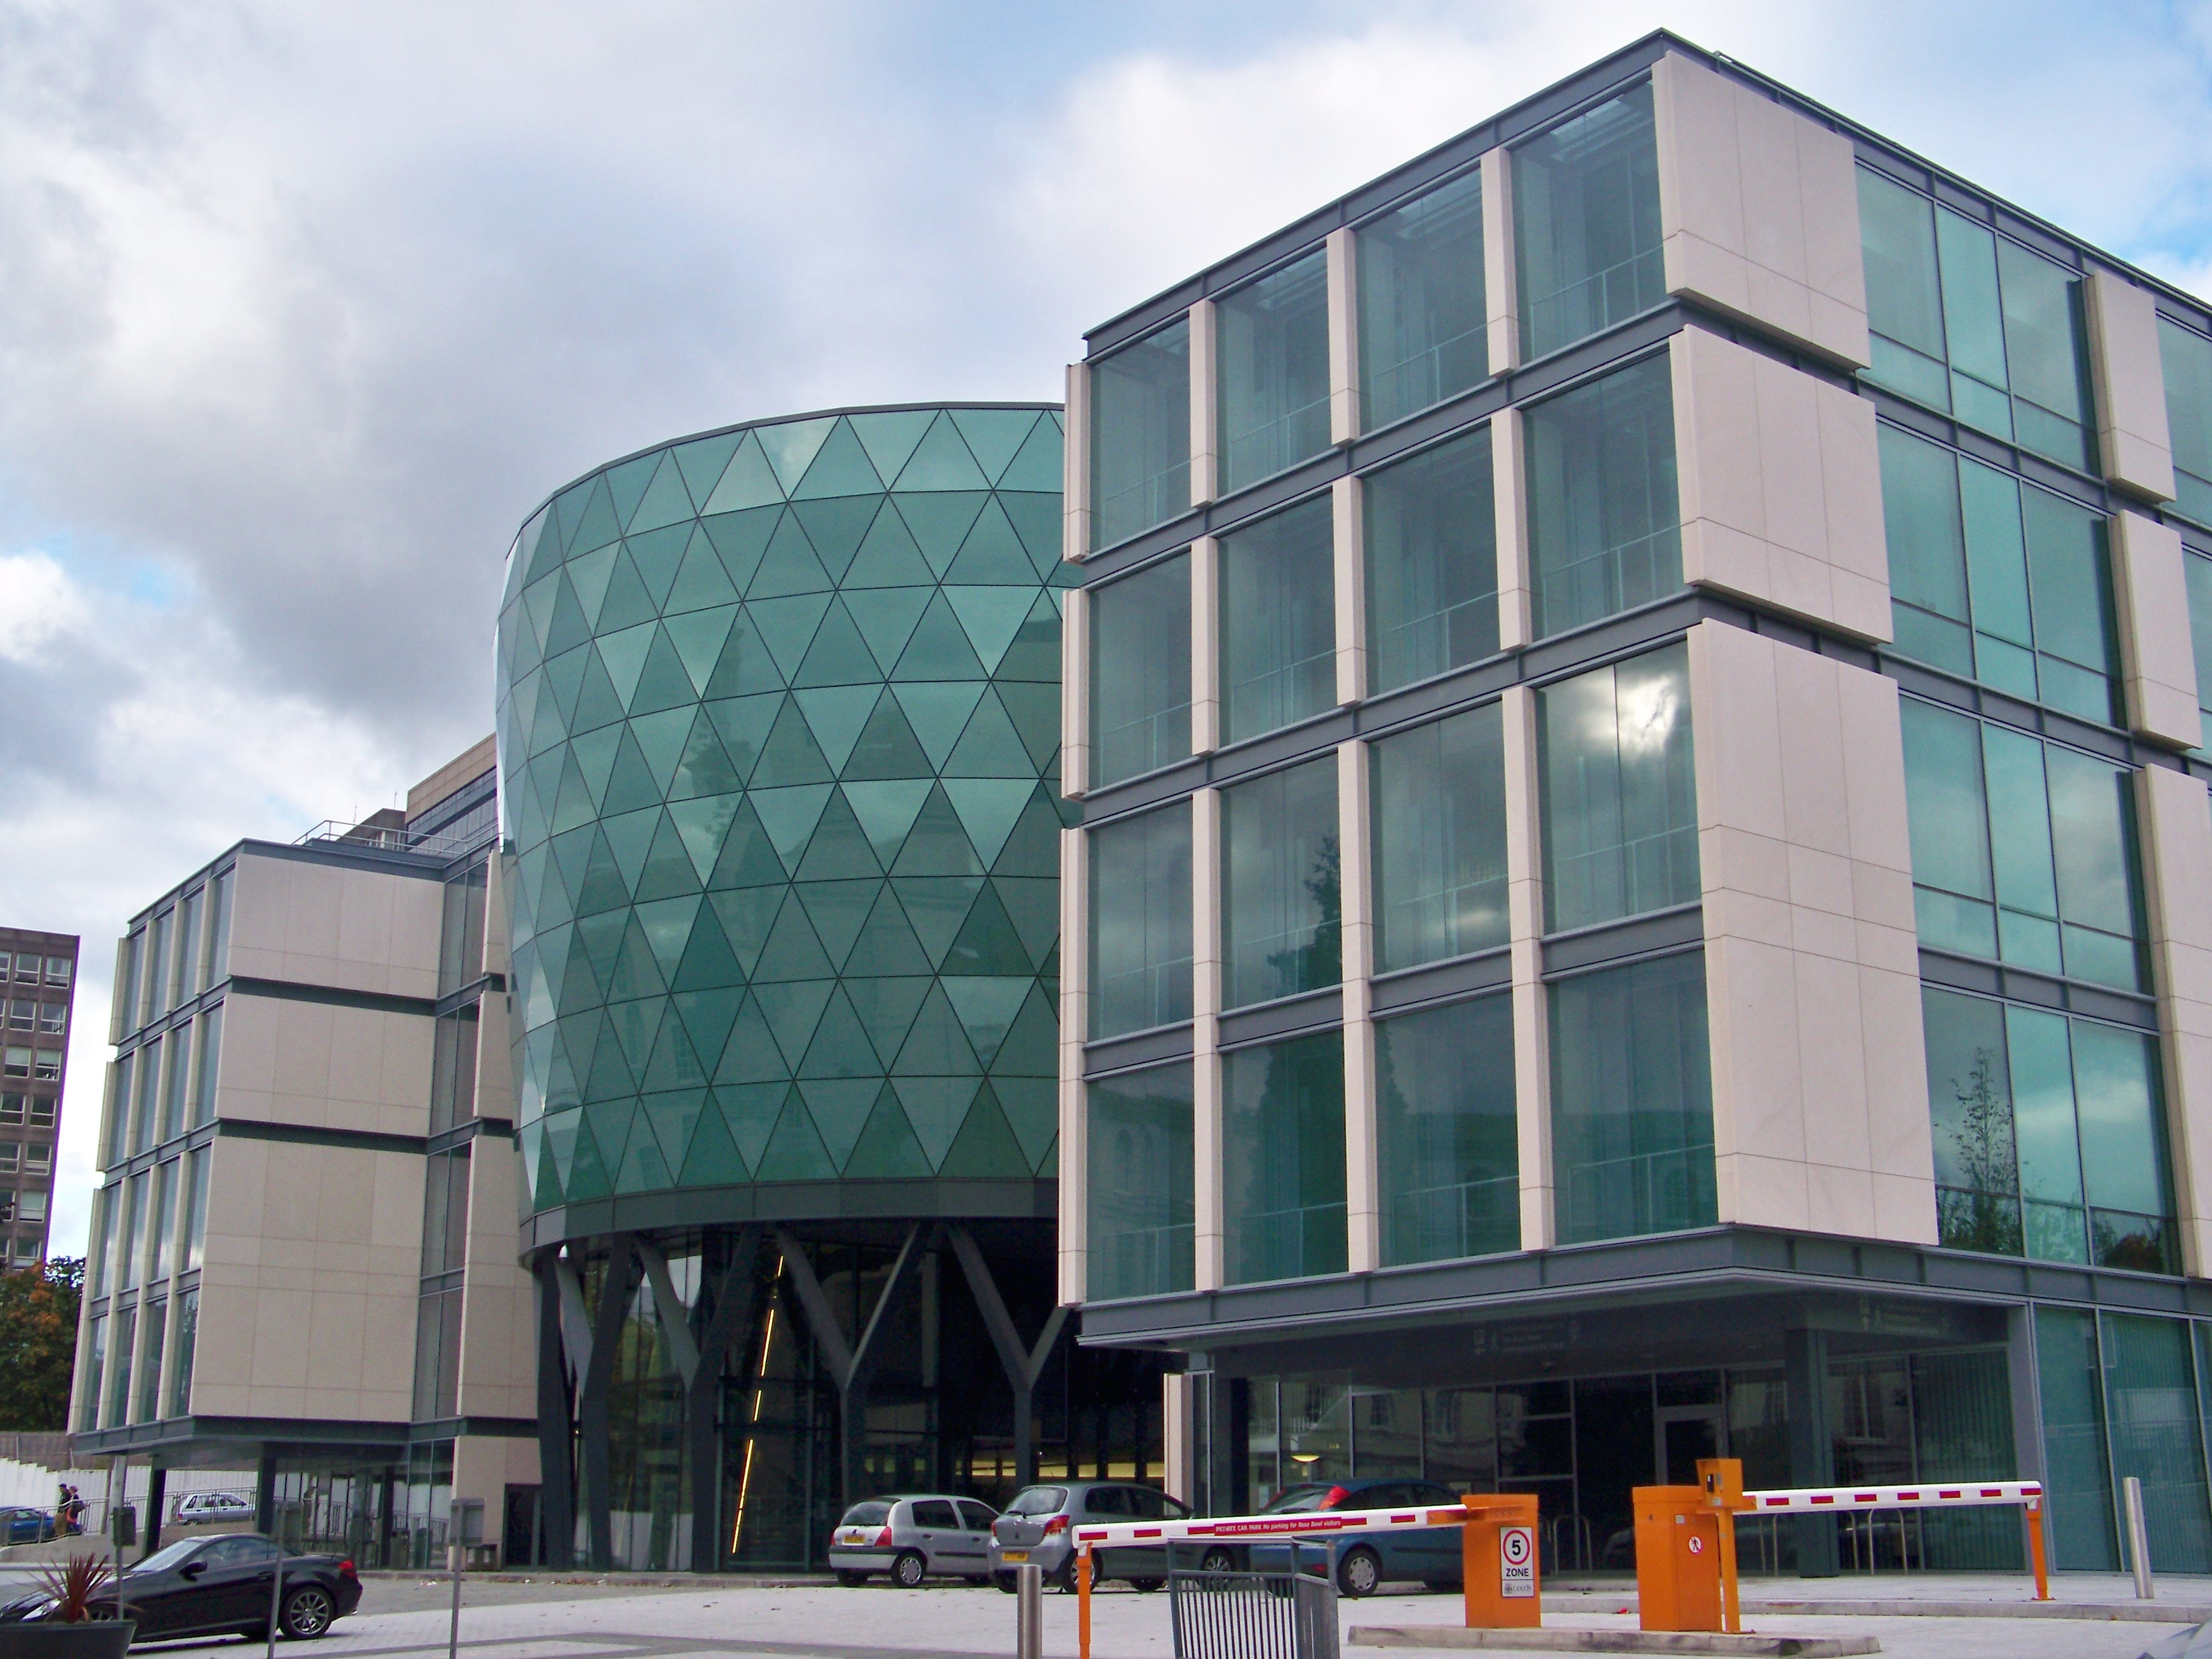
(37, 1345)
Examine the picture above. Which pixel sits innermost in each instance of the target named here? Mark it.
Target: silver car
(913, 1539)
(1036, 1529)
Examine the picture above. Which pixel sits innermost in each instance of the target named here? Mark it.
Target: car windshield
(162, 1561)
(867, 1515)
(1297, 1500)
(1038, 1500)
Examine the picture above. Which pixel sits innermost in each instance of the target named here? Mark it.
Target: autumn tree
(38, 1343)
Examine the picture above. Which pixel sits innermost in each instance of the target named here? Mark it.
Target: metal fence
(1252, 1615)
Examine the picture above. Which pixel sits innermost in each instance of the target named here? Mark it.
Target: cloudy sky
(304, 309)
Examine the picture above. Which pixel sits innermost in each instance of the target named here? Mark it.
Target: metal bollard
(1029, 1611)
(2138, 1539)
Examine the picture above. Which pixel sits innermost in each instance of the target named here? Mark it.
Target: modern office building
(779, 723)
(37, 985)
(1644, 885)
(302, 1258)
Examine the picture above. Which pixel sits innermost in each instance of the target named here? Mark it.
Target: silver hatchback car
(1035, 1529)
(913, 1539)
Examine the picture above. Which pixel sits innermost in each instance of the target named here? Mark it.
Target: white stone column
(1343, 335)
(1499, 281)
(1362, 1178)
(2133, 438)
(2150, 593)
(1205, 407)
(1205, 644)
(1532, 1036)
(1350, 543)
(1517, 597)
(1206, 1033)
(1075, 466)
(1074, 1026)
(1075, 693)
(2176, 825)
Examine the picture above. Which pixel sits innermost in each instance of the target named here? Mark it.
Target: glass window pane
(1904, 301)
(1446, 1140)
(218, 951)
(1604, 521)
(1141, 921)
(1631, 1100)
(2046, 355)
(1282, 901)
(1140, 435)
(1423, 317)
(1141, 671)
(2150, 1388)
(1973, 322)
(2198, 571)
(193, 1232)
(180, 1377)
(1273, 357)
(2125, 1171)
(1970, 1102)
(2020, 849)
(1432, 537)
(1282, 1177)
(95, 1362)
(1948, 814)
(2187, 358)
(2040, 1055)
(2070, 1373)
(1620, 807)
(1277, 621)
(1439, 810)
(149, 1371)
(2075, 630)
(1926, 550)
(206, 1063)
(1141, 1196)
(1586, 224)
(2093, 846)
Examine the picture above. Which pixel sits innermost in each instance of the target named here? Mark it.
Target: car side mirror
(191, 1569)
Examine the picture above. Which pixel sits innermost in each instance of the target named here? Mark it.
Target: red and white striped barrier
(1243, 1528)
(1816, 1500)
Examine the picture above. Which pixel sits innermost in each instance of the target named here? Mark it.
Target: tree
(38, 1343)
(1984, 1212)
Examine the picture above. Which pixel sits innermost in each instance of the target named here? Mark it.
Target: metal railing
(1290, 1614)
(391, 838)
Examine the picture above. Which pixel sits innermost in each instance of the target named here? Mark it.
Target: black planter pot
(89, 1638)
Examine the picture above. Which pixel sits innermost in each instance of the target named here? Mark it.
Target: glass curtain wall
(1423, 314)
(1141, 671)
(1620, 798)
(1141, 921)
(1431, 543)
(1282, 889)
(1631, 1100)
(1282, 1177)
(1140, 1214)
(1278, 624)
(1604, 530)
(2150, 1411)
(1140, 435)
(1586, 224)
(1999, 581)
(2187, 359)
(2057, 890)
(1438, 834)
(1447, 1144)
(1274, 372)
(1970, 323)
(2050, 1135)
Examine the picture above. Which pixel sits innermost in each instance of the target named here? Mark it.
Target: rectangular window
(127, 1261)
(146, 1107)
(57, 970)
(1141, 921)
(1604, 530)
(1432, 537)
(54, 1019)
(45, 1065)
(192, 1231)
(2147, 1368)
(460, 955)
(218, 927)
(205, 1063)
(1967, 322)
(1586, 224)
(148, 1409)
(1140, 435)
(33, 1207)
(1282, 901)
(1446, 1140)
(2187, 359)
(2069, 1373)
(22, 1014)
(157, 965)
(11, 1108)
(444, 1212)
(130, 969)
(188, 1330)
(176, 1089)
(2050, 1136)
(1278, 622)
(161, 1242)
(1272, 372)
(1620, 796)
(1141, 1195)
(1423, 317)
(437, 1356)
(2196, 570)
(17, 1062)
(11, 1153)
(1437, 804)
(189, 954)
(104, 1208)
(1998, 581)
(454, 1069)
(1141, 671)
(38, 1158)
(1282, 1178)
(96, 1364)
(42, 1111)
(2022, 850)
(118, 1409)
(1631, 1100)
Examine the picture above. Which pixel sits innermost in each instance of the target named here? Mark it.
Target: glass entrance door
(1683, 1434)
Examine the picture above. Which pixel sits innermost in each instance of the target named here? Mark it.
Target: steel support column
(557, 1421)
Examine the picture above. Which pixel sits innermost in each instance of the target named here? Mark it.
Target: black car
(216, 1586)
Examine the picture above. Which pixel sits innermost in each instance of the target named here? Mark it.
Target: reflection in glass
(2187, 360)
(1141, 1199)
(1273, 357)
(1604, 520)
(1277, 621)
(1141, 671)
(1423, 322)
(1432, 540)
(1438, 808)
(1140, 435)
(1586, 224)
(1141, 921)
(1445, 1128)
(1282, 897)
(1282, 1180)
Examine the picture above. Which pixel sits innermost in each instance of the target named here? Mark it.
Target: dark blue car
(21, 1526)
(1367, 1561)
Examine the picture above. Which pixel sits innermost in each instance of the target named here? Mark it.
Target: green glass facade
(779, 723)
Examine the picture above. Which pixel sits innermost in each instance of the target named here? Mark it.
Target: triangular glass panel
(938, 845)
(706, 768)
(543, 1184)
(702, 580)
(988, 809)
(1032, 1107)
(589, 575)
(887, 1149)
(837, 528)
(707, 1015)
(792, 1012)
(836, 715)
(1032, 904)
(838, 910)
(1035, 711)
(838, 850)
(789, 566)
(789, 817)
(986, 1147)
(838, 655)
(597, 703)
(787, 625)
(708, 963)
(935, 906)
(749, 1054)
(588, 1172)
(748, 859)
(938, 523)
(599, 524)
(987, 1007)
(794, 1151)
(886, 812)
(636, 975)
(699, 638)
(791, 755)
(751, 1111)
(791, 447)
(561, 1142)
(743, 724)
(611, 1077)
(741, 538)
(747, 482)
(626, 482)
(941, 461)
(702, 460)
(573, 806)
(840, 1047)
(936, 1045)
(745, 665)
(887, 945)
(886, 1007)
(792, 952)
(658, 554)
(888, 557)
(1029, 1047)
(578, 988)
(713, 1159)
(887, 746)
(991, 616)
(993, 554)
(1039, 521)
(994, 435)
(567, 629)
(537, 604)
(840, 1108)
(625, 655)
(1038, 464)
(629, 839)
(635, 1023)
(672, 1117)
(840, 467)
(665, 500)
(569, 509)
(990, 747)
(627, 602)
(937, 1106)
(939, 713)
(675, 1063)
(939, 648)
(889, 436)
(886, 617)
(661, 739)
(988, 943)
(667, 926)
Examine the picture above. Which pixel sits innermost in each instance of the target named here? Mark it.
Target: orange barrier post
(1722, 1480)
(1500, 1573)
(1082, 1603)
(1685, 1551)
(2035, 1549)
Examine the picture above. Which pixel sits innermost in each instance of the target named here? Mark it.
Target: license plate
(853, 1535)
(1013, 1555)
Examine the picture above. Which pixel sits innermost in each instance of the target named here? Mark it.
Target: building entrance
(1683, 1434)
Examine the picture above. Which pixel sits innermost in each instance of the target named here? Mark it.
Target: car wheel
(1006, 1581)
(1145, 1586)
(850, 1580)
(1359, 1572)
(307, 1613)
(1218, 1560)
(909, 1571)
(1062, 1577)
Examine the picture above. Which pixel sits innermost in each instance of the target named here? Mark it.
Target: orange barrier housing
(1685, 1551)
(1501, 1574)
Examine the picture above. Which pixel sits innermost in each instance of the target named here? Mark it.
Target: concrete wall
(2133, 440)
(319, 924)
(499, 1332)
(318, 1064)
(2158, 657)
(2175, 820)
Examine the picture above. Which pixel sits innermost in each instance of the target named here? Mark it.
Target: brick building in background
(37, 984)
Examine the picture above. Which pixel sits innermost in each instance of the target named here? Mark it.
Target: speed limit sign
(1517, 1561)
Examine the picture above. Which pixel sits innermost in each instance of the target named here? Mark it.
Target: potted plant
(76, 1621)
